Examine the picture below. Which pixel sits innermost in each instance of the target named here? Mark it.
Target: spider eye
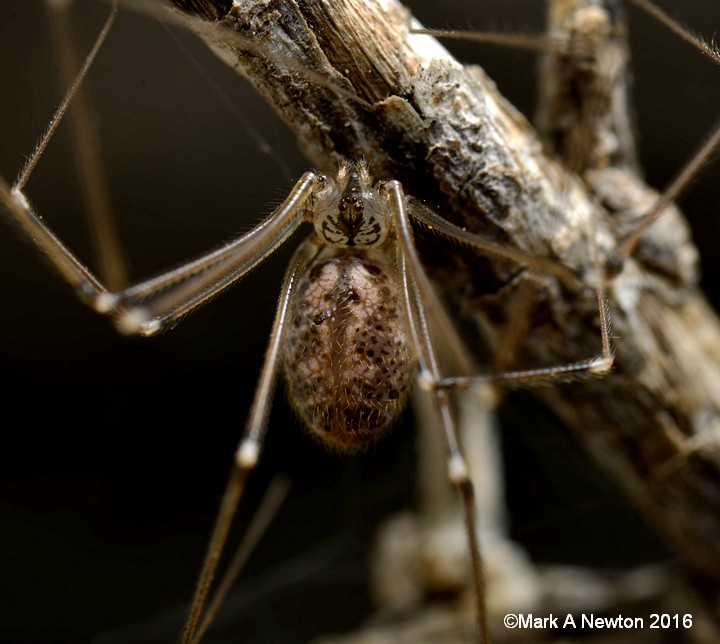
(352, 220)
(351, 211)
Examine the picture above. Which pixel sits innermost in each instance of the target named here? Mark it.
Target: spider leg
(416, 289)
(152, 304)
(148, 306)
(457, 468)
(73, 89)
(439, 226)
(274, 497)
(70, 268)
(248, 452)
(89, 156)
(90, 166)
(419, 299)
(617, 258)
(596, 365)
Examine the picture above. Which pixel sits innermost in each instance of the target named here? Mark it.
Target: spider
(142, 317)
(352, 325)
(351, 328)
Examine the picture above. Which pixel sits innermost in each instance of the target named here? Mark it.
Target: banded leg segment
(416, 291)
(149, 305)
(251, 444)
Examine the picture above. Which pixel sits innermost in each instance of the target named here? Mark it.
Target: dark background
(115, 450)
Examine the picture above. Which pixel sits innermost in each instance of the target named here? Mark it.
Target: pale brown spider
(351, 329)
(357, 271)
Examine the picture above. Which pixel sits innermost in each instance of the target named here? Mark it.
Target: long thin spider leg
(457, 469)
(273, 499)
(533, 42)
(69, 267)
(193, 282)
(248, 452)
(435, 223)
(171, 295)
(619, 256)
(415, 283)
(88, 153)
(57, 117)
(709, 50)
(416, 290)
(254, 244)
(597, 365)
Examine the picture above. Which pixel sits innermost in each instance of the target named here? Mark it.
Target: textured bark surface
(444, 131)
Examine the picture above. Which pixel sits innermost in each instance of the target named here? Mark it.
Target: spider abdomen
(347, 359)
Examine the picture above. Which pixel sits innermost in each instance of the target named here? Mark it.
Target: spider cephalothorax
(349, 211)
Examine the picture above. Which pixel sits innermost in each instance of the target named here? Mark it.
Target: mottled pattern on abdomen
(347, 360)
